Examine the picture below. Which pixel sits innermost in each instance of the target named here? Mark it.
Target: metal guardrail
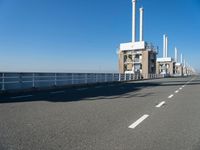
(20, 81)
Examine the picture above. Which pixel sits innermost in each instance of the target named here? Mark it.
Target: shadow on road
(98, 92)
(109, 91)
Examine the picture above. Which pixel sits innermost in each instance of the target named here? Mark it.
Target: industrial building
(166, 65)
(137, 57)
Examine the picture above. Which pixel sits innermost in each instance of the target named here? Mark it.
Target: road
(162, 114)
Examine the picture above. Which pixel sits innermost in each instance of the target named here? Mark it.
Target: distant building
(166, 65)
(137, 57)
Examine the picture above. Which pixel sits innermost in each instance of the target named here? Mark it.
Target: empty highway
(161, 114)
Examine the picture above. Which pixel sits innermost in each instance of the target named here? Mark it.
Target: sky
(84, 35)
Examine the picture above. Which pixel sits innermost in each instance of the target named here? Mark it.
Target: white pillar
(133, 20)
(181, 58)
(164, 45)
(166, 50)
(141, 23)
(176, 55)
(184, 63)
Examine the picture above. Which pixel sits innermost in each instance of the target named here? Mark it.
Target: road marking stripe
(183, 86)
(57, 92)
(176, 91)
(171, 96)
(135, 124)
(180, 88)
(24, 96)
(160, 104)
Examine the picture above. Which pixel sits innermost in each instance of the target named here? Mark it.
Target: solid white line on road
(57, 92)
(176, 91)
(135, 124)
(160, 104)
(171, 96)
(24, 96)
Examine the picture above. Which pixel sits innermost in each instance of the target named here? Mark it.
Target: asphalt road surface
(162, 114)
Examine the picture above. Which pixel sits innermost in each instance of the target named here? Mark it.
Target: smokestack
(176, 55)
(184, 63)
(133, 20)
(181, 58)
(164, 45)
(141, 23)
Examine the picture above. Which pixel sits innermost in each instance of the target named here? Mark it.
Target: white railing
(17, 81)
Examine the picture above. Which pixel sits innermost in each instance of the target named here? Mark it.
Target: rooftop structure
(137, 57)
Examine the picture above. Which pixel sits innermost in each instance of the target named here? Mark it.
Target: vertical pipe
(166, 50)
(164, 45)
(176, 55)
(141, 23)
(133, 20)
(181, 58)
(184, 63)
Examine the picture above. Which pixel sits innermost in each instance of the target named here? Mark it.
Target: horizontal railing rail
(21, 81)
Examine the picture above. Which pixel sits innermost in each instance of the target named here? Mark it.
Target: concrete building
(137, 57)
(165, 65)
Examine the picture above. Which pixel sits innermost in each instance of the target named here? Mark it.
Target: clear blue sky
(83, 35)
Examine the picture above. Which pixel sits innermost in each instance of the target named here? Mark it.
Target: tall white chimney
(184, 63)
(176, 55)
(141, 23)
(164, 45)
(181, 58)
(133, 20)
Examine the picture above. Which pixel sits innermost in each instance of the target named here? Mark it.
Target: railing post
(33, 80)
(96, 76)
(119, 76)
(55, 79)
(3, 82)
(86, 78)
(72, 78)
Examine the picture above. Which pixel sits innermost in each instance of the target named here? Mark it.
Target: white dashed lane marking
(160, 104)
(171, 96)
(176, 91)
(135, 124)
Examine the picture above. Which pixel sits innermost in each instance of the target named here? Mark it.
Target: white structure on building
(137, 56)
